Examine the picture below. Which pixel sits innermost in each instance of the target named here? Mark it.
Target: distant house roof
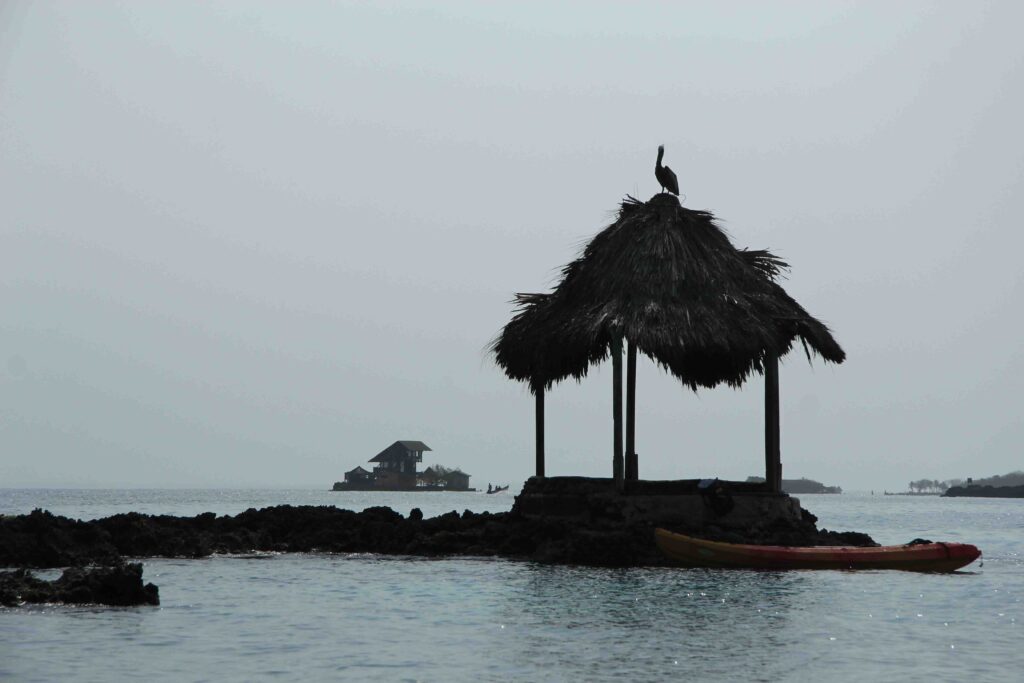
(414, 445)
(358, 470)
(399, 449)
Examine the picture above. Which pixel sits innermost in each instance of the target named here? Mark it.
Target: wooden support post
(632, 467)
(540, 430)
(772, 452)
(617, 464)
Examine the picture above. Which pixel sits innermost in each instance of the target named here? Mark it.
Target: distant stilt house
(429, 477)
(396, 464)
(395, 470)
(456, 481)
(358, 476)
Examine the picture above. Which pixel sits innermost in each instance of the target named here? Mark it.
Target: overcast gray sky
(248, 244)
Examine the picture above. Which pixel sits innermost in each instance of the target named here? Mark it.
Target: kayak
(921, 557)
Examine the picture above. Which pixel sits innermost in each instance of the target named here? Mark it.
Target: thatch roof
(668, 280)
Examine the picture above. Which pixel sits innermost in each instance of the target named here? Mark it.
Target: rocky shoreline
(41, 539)
(566, 520)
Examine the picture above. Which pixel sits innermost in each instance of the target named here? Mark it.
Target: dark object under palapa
(667, 281)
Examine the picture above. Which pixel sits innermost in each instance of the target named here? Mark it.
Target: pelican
(665, 175)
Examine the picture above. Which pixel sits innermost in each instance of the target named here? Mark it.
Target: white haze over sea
(251, 244)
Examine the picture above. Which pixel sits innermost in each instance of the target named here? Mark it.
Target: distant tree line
(441, 471)
(932, 485)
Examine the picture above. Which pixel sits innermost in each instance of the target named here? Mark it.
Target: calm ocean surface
(370, 618)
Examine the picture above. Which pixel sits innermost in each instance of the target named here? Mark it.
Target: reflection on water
(688, 618)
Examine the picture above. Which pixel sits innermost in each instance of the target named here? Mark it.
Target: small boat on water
(496, 489)
(922, 557)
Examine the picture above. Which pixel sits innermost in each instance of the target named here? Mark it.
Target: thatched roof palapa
(667, 280)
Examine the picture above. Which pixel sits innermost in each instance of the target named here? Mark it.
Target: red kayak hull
(924, 557)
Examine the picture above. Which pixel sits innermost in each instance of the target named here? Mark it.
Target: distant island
(998, 486)
(801, 485)
(975, 491)
(396, 471)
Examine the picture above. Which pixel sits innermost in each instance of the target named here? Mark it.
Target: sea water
(379, 618)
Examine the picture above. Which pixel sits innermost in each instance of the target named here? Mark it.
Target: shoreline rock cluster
(119, 585)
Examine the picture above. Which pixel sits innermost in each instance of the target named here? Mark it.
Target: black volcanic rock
(41, 539)
(119, 585)
(598, 535)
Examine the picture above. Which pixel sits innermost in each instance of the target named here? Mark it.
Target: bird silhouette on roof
(664, 174)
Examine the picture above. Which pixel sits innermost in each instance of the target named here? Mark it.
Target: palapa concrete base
(683, 503)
